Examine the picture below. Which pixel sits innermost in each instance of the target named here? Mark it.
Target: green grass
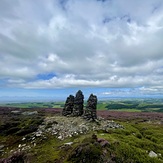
(131, 144)
(102, 105)
(46, 151)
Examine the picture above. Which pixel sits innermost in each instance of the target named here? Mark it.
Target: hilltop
(44, 135)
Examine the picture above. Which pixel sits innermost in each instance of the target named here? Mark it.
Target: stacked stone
(90, 112)
(78, 104)
(74, 106)
(69, 104)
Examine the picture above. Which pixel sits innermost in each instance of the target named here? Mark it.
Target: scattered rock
(60, 137)
(159, 154)
(1, 147)
(71, 126)
(152, 154)
(30, 113)
(15, 111)
(38, 134)
(69, 143)
(23, 138)
(103, 142)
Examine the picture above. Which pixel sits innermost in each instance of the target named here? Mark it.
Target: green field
(132, 105)
(35, 105)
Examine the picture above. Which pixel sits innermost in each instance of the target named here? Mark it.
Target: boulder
(30, 112)
(152, 154)
(1, 147)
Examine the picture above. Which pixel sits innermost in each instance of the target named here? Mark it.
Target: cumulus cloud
(85, 43)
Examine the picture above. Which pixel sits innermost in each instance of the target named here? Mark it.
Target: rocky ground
(29, 128)
(64, 127)
(41, 135)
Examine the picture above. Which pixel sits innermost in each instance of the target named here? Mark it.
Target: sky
(50, 49)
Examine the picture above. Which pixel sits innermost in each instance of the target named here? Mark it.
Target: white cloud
(101, 44)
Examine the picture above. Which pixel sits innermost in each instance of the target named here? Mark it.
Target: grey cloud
(8, 8)
(71, 38)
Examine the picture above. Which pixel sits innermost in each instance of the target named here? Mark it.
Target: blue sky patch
(46, 76)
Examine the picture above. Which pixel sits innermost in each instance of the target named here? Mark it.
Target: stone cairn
(69, 104)
(78, 104)
(90, 112)
(74, 106)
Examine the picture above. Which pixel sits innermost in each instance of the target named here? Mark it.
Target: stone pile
(63, 128)
(74, 106)
(78, 104)
(69, 104)
(90, 112)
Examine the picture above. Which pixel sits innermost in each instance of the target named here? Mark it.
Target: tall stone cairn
(90, 112)
(68, 107)
(78, 104)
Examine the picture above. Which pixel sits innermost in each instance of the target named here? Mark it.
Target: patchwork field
(130, 105)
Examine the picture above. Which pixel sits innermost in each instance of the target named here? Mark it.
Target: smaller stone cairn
(69, 104)
(90, 112)
(78, 104)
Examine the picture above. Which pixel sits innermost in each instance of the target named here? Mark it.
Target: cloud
(84, 43)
